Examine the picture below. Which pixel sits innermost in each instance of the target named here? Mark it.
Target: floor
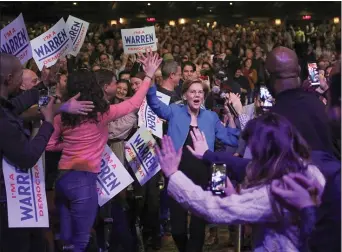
(222, 246)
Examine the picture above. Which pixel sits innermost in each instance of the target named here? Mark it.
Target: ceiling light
(148, 4)
(74, 3)
(210, 10)
(336, 20)
(172, 23)
(231, 3)
(181, 21)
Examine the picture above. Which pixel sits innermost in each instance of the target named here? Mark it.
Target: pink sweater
(83, 145)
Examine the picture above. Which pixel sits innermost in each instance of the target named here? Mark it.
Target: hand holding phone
(43, 98)
(218, 178)
(313, 74)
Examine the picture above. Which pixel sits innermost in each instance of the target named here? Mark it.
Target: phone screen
(218, 178)
(313, 74)
(43, 98)
(266, 97)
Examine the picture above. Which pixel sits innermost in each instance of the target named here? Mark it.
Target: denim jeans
(77, 204)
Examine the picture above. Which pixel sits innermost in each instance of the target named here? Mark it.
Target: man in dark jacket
(18, 149)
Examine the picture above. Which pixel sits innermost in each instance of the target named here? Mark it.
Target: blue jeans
(77, 203)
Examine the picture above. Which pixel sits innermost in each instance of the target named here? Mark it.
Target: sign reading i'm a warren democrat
(149, 119)
(139, 39)
(26, 198)
(14, 40)
(141, 156)
(77, 30)
(113, 177)
(51, 45)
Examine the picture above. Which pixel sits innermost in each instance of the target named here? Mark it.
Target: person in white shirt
(277, 149)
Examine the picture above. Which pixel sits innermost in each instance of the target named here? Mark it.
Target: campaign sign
(141, 156)
(113, 177)
(14, 40)
(26, 198)
(149, 119)
(51, 45)
(77, 30)
(139, 39)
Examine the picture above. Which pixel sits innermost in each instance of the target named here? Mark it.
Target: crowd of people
(240, 95)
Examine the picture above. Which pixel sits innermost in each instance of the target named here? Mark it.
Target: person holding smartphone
(278, 149)
(19, 149)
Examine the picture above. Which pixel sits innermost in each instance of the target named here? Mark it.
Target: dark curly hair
(85, 82)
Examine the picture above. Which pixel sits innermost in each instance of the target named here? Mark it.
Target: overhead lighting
(148, 4)
(336, 20)
(121, 20)
(277, 21)
(113, 22)
(181, 21)
(74, 3)
(198, 21)
(172, 23)
(231, 3)
(208, 24)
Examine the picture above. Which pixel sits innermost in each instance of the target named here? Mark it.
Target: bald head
(8, 65)
(282, 65)
(30, 79)
(10, 74)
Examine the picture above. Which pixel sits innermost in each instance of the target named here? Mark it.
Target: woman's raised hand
(200, 145)
(150, 62)
(168, 157)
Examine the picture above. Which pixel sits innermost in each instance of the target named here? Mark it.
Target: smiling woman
(182, 119)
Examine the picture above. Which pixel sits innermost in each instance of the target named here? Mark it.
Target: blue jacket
(179, 120)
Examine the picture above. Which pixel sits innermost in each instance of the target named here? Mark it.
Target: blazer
(179, 120)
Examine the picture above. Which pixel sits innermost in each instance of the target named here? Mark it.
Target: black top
(15, 144)
(173, 94)
(307, 113)
(192, 167)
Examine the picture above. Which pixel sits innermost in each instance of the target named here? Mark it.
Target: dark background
(222, 12)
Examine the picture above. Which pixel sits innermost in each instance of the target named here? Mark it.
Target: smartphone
(218, 178)
(266, 97)
(43, 98)
(313, 74)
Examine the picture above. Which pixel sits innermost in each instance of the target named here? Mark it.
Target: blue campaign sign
(14, 40)
(139, 39)
(51, 45)
(141, 156)
(26, 198)
(113, 177)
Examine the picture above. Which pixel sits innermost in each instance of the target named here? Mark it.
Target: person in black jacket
(17, 148)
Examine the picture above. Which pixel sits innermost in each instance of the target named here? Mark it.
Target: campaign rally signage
(14, 40)
(113, 177)
(139, 39)
(149, 119)
(51, 45)
(141, 156)
(77, 30)
(26, 198)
